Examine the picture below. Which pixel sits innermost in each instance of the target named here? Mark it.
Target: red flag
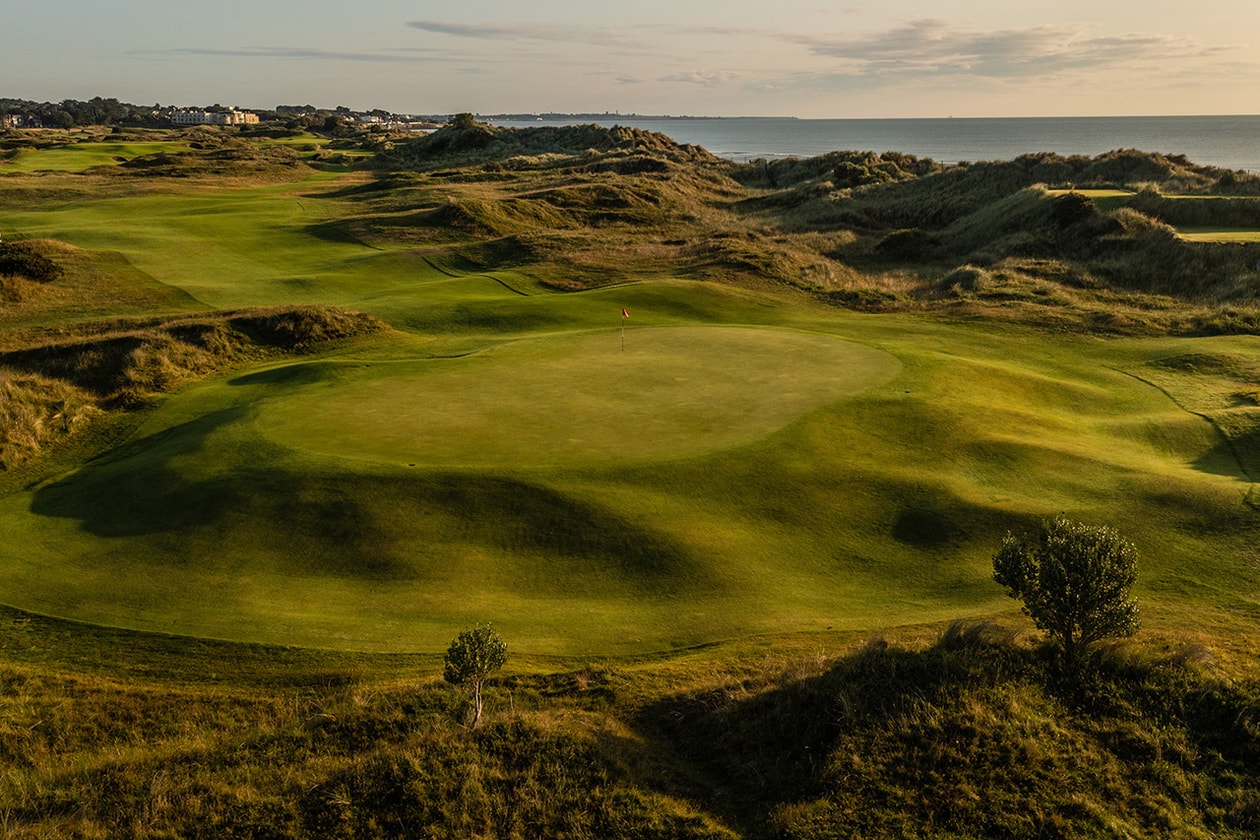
(624, 313)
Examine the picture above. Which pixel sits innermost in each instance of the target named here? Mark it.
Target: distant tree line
(70, 113)
(74, 113)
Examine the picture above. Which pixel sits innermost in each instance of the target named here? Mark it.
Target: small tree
(1074, 580)
(471, 659)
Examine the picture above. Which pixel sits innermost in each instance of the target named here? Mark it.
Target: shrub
(965, 278)
(21, 260)
(908, 244)
(1074, 581)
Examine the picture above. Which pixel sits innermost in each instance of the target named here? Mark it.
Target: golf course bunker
(573, 400)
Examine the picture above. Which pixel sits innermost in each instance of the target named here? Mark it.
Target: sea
(1229, 142)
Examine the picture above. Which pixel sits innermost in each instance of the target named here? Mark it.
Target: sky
(803, 58)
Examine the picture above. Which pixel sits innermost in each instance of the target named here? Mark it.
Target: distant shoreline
(608, 115)
(549, 116)
(1225, 141)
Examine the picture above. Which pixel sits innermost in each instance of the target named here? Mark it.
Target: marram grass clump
(36, 412)
(127, 361)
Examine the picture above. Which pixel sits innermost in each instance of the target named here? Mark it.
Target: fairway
(1221, 234)
(83, 156)
(573, 401)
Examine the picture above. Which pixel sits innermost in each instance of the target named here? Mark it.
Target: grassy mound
(232, 159)
(972, 737)
(619, 148)
(20, 260)
(124, 362)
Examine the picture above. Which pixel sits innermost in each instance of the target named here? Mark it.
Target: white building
(232, 117)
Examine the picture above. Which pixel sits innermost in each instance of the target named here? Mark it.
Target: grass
(1208, 234)
(230, 248)
(1112, 199)
(943, 731)
(80, 157)
(847, 508)
(753, 461)
(228, 605)
(568, 400)
(1105, 199)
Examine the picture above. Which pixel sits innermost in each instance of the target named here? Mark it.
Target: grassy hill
(283, 425)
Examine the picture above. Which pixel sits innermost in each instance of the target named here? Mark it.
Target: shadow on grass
(194, 503)
(1230, 457)
(972, 736)
(135, 490)
(302, 373)
(577, 537)
(927, 528)
(749, 751)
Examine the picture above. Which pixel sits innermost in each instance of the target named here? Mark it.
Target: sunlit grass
(1209, 234)
(80, 157)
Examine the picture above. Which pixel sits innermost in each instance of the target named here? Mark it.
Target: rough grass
(961, 732)
(125, 362)
(37, 412)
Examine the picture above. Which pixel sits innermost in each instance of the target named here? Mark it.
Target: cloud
(707, 78)
(564, 33)
(406, 56)
(934, 46)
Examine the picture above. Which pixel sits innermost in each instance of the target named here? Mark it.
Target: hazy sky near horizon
(805, 58)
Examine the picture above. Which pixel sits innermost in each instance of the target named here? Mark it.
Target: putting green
(572, 400)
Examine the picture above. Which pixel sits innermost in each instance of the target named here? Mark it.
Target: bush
(908, 244)
(19, 259)
(1074, 581)
(965, 278)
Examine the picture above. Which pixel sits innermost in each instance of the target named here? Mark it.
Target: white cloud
(934, 46)
(707, 78)
(404, 56)
(565, 33)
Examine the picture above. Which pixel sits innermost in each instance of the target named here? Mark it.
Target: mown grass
(80, 157)
(1208, 234)
(882, 506)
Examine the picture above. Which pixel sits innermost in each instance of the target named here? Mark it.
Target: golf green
(571, 400)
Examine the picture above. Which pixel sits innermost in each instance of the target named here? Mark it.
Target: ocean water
(1227, 142)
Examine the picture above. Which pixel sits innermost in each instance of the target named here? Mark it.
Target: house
(19, 121)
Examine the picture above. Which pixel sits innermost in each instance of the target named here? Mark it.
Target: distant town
(69, 113)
